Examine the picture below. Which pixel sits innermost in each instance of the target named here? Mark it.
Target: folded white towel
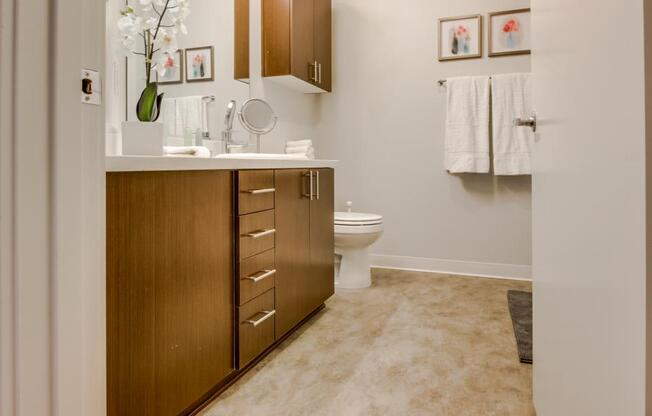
(467, 125)
(298, 149)
(511, 98)
(309, 152)
(292, 143)
(188, 114)
(196, 151)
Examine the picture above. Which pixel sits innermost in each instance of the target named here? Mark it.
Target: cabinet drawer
(256, 326)
(256, 275)
(256, 233)
(255, 191)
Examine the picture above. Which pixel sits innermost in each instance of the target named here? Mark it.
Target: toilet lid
(357, 218)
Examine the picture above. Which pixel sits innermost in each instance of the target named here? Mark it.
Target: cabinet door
(241, 40)
(170, 303)
(292, 248)
(322, 234)
(276, 37)
(194, 287)
(302, 35)
(323, 42)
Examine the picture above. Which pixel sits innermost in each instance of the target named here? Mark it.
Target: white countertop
(159, 163)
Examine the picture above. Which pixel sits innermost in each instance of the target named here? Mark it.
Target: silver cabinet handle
(265, 275)
(316, 71)
(260, 191)
(319, 73)
(259, 234)
(530, 122)
(311, 195)
(318, 185)
(268, 314)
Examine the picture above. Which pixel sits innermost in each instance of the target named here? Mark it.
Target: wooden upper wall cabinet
(241, 39)
(296, 39)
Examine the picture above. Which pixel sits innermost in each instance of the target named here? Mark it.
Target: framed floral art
(173, 64)
(200, 65)
(460, 37)
(509, 32)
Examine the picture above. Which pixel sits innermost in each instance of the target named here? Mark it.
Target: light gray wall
(385, 122)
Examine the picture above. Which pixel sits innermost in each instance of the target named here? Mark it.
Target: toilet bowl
(354, 233)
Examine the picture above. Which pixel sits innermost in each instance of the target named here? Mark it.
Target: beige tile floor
(413, 344)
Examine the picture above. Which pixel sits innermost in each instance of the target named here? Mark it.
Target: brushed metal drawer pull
(259, 234)
(265, 275)
(311, 195)
(268, 314)
(260, 191)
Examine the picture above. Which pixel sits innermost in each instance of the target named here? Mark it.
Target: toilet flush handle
(349, 205)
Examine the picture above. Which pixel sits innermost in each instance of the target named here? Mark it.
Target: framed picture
(200, 65)
(460, 37)
(173, 69)
(509, 32)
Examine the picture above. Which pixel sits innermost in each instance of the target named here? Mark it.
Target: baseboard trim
(466, 268)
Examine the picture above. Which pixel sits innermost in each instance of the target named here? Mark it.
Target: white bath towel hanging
(188, 115)
(169, 116)
(512, 146)
(467, 125)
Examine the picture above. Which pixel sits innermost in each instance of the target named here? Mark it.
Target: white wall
(385, 122)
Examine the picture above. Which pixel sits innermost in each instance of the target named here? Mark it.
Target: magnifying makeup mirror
(257, 117)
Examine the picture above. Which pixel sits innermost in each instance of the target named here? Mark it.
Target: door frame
(52, 277)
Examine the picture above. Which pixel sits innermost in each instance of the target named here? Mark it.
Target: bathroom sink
(265, 156)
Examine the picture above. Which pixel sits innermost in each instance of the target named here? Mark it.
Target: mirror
(201, 77)
(258, 117)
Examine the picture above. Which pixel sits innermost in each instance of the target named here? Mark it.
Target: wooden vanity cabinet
(207, 271)
(304, 244)
(296, 38)
(170, 306)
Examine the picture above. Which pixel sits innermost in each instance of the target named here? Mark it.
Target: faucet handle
(349, 206)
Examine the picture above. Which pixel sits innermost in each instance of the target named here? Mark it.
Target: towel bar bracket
(530, 122)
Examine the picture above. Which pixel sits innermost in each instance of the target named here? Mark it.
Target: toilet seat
(358, 229)
(357, 219)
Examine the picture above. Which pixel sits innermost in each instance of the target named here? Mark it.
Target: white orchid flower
(146, 18)
(126, 25)
(168, 43)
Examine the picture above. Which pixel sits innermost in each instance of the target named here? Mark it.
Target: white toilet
(354, 233)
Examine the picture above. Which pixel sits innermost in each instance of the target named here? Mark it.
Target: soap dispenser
(349, 206)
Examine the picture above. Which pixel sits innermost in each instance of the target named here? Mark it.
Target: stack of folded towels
(300, 147)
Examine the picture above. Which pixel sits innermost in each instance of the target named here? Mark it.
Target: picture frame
(460, 37)
(200, 64)
(509, 33)
(174, 69)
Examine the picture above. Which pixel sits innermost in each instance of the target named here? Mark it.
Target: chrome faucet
(227, 133)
